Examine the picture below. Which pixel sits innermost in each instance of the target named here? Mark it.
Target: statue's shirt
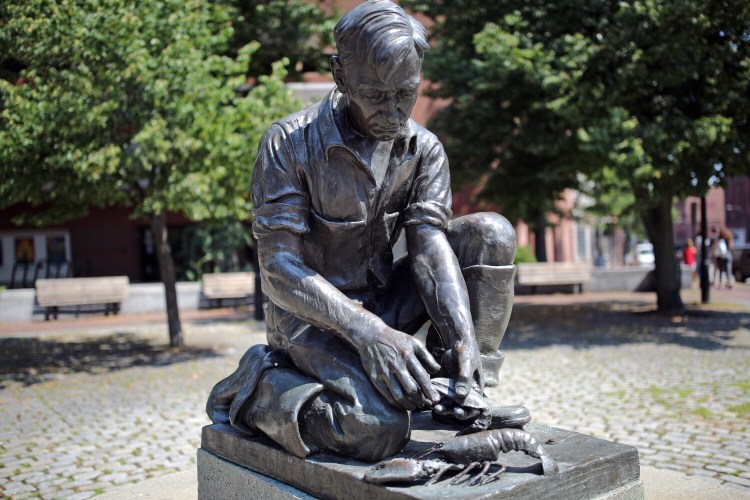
(309, 181)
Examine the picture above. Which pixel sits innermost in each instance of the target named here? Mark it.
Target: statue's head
(380, 51)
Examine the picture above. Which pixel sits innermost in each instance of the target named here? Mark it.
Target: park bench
(220, 286)
(539, 274)
(108, 291)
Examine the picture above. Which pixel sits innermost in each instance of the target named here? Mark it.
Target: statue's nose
(391, 111)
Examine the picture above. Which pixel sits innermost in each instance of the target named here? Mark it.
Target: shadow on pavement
(33, 360)
(606, 323)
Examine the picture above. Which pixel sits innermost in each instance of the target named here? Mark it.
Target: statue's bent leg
(326, 403)
(485, 244)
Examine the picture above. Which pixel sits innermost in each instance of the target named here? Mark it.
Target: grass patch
(703, 412)
(742, 410)
(617, 394)
(98, 491)
(656, 392)
(743, 385)
(684, 393)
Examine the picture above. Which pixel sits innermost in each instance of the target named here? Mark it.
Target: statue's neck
(373, 152)
(352, 135)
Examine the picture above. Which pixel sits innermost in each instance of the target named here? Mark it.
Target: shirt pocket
(336, 250)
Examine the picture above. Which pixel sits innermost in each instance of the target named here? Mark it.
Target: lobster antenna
(420, 455)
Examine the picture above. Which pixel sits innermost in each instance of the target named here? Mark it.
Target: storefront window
(25, 250)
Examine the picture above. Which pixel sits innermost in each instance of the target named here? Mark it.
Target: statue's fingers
(424, 357)
(423, 379)
(463, 413)
(479, 379)
(409, 387)
(384, 389)
(397, 394)
(465, 378)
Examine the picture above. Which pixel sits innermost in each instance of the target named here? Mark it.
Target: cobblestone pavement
(85, 411)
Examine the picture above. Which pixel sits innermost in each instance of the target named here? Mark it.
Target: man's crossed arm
(398, 365)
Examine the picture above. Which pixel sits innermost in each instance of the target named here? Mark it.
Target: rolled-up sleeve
(430, 201)
(281, 203)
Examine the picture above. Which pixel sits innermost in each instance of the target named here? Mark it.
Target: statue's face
(379, 108)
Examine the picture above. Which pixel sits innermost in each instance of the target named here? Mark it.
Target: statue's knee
(380, 435)
(484, 238)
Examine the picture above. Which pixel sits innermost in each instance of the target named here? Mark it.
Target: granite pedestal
(232, 465)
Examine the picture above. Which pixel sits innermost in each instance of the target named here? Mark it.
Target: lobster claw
(407, 470)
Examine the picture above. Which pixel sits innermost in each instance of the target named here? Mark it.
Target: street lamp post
(705, 284)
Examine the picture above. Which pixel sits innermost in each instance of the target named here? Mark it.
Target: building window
(56, 249)
(27, 255)
(25, 250)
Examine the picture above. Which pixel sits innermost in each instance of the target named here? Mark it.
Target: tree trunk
(658, 221)
(166, 271)
(540, 240)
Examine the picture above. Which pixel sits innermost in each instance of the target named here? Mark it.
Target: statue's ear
(337, 70)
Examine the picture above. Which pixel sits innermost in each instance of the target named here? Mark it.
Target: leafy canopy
(511, 72)
(299, 30)
(653, 95)
(129, 102)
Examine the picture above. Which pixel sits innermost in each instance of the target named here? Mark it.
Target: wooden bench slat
(81, 291)
(554, 273)
(228, 285)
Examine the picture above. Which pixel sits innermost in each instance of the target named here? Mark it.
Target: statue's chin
(384, 135)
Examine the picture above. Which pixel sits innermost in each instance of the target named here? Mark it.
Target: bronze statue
(333, 187)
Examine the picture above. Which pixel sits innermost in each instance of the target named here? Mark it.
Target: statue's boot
(276, 405)
(491, 291)
(491, 299)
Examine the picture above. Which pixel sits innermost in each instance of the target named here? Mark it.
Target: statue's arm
(396, 363)
(440, 283)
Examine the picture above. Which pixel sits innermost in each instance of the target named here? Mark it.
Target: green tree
(655, 91)
(298, 30)
(126, 102)
(510, 71)
(673, 78)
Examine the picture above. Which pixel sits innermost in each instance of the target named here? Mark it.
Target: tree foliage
(299, 30)
(652, 94)
(675, 80)
(511, 71)
(129, 102)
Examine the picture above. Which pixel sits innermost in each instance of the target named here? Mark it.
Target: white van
(644, 254)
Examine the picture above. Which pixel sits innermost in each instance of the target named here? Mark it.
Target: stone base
(231, 465)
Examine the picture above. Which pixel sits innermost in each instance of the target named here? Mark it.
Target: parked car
(644, 254)
(741, 262)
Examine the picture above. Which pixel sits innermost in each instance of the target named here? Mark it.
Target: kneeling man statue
(334, 185)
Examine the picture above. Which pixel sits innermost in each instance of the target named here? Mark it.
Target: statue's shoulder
(294, 123)
(426, 140)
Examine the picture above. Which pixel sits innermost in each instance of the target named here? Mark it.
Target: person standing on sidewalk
(688, 258)
(724, 257)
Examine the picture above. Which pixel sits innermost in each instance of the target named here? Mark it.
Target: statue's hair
(380, 32)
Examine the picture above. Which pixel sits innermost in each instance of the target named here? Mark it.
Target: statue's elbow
(277, 272)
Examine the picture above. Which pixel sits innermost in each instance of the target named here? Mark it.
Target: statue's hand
(463, 359)
(399, 367)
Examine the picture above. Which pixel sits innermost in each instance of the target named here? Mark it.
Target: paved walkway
(93, 406)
